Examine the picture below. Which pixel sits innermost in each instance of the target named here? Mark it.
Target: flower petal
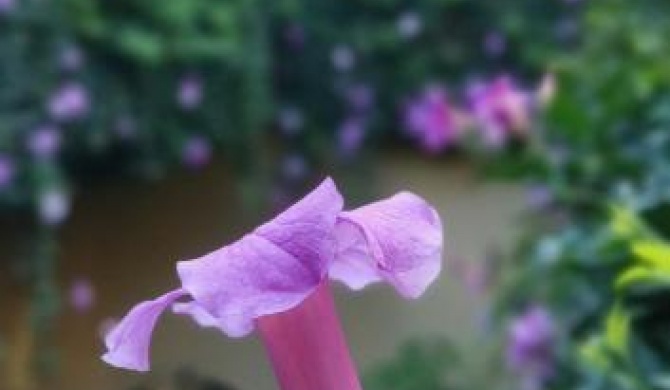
(352, 265)
(197, 313)
(128, 343)
(398, 239)
(270, 270)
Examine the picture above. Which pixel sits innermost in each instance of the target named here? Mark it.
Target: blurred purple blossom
(495, 44)
(45, 142)
(197, 152)
(409, 24)
(7, 171)
(294, 167)
(53, 206)
(190, 92)
(290, 121)
(7, 6)
(71, 58)
(530, 346)
(350, 136)
(360, 97)
(432, 120)
(294, 35)
(501, 109)
(82, 295)
(343, 58)
(70, 101)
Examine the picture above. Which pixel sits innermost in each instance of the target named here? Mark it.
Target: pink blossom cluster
(495, 112)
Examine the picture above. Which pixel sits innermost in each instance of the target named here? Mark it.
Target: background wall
(144, 229)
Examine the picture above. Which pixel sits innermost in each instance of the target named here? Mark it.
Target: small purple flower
(275, 279)
(82, 295)
(360, 97)
(197, 152)
(343, 58)
(7, 6)
(290, 121)
(409, 25)
(495, 44)
(351, 135)
(69, 102)
(44, 143)
(53, 206)
(7, 171)
(71, 58)
(530, 346)
(190, 92)
(501, 110)
(432, 120)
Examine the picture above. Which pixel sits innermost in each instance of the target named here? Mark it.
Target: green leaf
(617, 330)
(653, 253)
(638, 275)
(593, 354)
(624, 222)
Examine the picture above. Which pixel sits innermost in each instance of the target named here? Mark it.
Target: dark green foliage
(604, 156)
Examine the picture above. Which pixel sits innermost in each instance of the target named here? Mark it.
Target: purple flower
(432, 120)
(190, 92)
(82, 295)
(71, 58)
(360, 97)
(197, 152)
(274, 279)
(44, 142)
(409, 25)
(530, 346)
(290, 121)
(343, 58)
(53, 206)
(69, 102)
(495, 44)
(501, 109)
(7, 171)
(7, 6)
(351, 135)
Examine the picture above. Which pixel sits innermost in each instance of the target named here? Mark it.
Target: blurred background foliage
(286, 89)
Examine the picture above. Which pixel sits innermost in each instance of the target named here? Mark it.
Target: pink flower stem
(307, 347)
